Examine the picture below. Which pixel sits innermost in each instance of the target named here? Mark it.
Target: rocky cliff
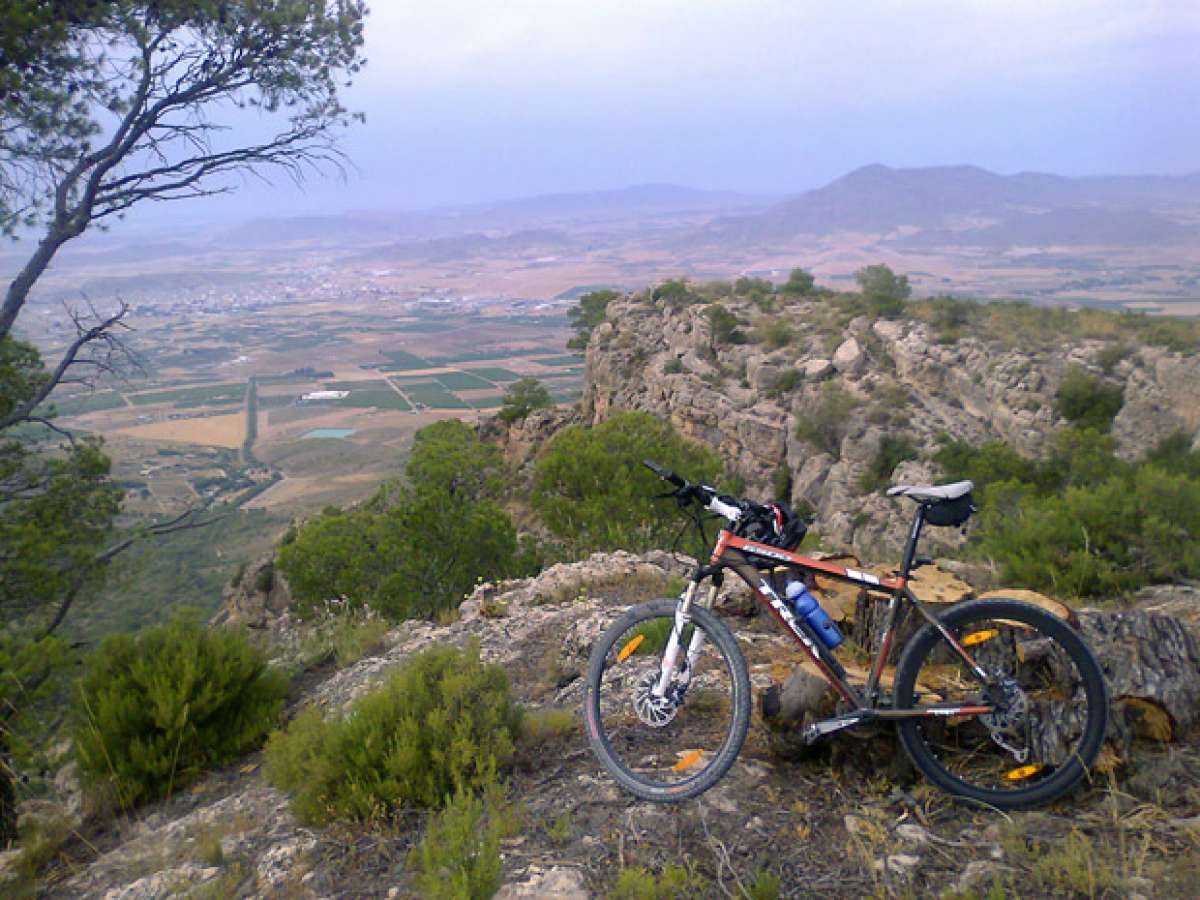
(812, 412)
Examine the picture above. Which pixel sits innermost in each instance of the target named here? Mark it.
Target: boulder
(816, 369)
(849, 357)
(562, 882)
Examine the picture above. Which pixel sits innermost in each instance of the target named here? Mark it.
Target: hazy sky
(469, 100)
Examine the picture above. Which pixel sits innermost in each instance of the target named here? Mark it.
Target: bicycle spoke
(1042, 693)
(661, 739)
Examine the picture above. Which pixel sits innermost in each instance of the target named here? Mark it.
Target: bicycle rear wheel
(1044, 733)
(677, 746)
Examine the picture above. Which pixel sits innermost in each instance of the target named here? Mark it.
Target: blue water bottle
(805, 604)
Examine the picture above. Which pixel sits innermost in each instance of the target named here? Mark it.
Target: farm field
(177, 432)
(212, 431)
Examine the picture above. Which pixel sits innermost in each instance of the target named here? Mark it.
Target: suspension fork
(671, 653)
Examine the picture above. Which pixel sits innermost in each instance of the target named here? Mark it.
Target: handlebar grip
(664, 474)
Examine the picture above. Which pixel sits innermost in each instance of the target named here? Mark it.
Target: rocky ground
(849, 818)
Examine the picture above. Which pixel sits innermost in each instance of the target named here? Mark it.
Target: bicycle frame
(748, 559)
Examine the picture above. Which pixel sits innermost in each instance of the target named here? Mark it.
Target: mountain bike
(996, 701)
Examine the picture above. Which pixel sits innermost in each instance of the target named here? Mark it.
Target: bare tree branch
(100, 332)
(157, 72)
(186, 521)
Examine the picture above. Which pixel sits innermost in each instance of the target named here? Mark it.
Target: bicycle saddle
(932, 492)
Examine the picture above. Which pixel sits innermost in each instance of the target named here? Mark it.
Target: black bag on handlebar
(778, 526)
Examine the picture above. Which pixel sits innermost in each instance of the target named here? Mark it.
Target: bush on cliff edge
(445, 722)
(153, 710)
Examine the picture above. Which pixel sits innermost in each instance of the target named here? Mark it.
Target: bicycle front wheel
(1047, 692)
(675, 746)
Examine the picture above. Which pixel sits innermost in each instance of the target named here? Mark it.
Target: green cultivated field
(559, 360)
(85, 403)
(197, 396)
(402, 360)
(433, 395)
(275, 401)
(294, 377)
(495, 374)
(463, 381)
(379, 398)
(499, 355)
(487, 402)
(366, 383)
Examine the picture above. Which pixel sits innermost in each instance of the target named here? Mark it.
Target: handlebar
(664, 473)
(731, 508)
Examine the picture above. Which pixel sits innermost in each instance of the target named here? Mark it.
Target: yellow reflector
(630, 647)
(979, 637)
(1024, 772)
(688, 760)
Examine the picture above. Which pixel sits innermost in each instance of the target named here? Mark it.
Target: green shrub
(1108, 356)
(763, 886)
(459, 857)
(264, 579)
(444, 722)
(776, 334)
(154, 710)
(892, 450)
(672, 883)
(1093, 540)
(799, 283)
(788, 381)
(746, 286)
(412, 550)
(548, 724)
(883, 290)
(593, 493)
(343, 639)
(990, 462)
(523, 397)
(826, 422)
(673, 366)
(1087, 401)
(724, 325)
(590, 312)
(1082, 522)
(949, 316)
(1174, 453)
(781, 483)
(675, 294)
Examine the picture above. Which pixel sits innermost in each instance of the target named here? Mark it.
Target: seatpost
(914, 535)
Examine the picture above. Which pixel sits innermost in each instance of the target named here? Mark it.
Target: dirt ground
(213, 431)
(848, 818)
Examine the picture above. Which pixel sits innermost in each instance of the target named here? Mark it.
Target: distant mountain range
(636, 200)
(629, 204)
(970, 205)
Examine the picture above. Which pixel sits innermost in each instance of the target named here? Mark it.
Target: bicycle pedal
(818, 730)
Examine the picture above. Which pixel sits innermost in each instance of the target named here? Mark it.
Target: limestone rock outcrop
(820, 406)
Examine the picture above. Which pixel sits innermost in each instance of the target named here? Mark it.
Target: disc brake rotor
(657, 712)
